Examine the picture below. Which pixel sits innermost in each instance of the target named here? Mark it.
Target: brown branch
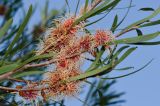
(18, 80)
(125, 31)
(7, 89)
(8, 75)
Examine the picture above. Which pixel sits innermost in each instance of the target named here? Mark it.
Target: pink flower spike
(86, 43)
(68, 25)
(102, 36)
(28, 94)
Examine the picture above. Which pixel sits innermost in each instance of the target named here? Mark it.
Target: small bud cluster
(65, 41)
(29, 91)
(57, 85)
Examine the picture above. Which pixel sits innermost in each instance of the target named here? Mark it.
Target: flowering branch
(69, 41)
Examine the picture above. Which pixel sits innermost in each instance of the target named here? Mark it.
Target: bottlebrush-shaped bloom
(69, 46)
(60, 36)
(57, 86)
(101, 37)
(68, 26)
(29, 92)
(86, 43)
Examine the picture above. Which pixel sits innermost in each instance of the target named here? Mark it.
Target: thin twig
(77, 8)
(85, 104)
(7, 75)
(125, 31)
(95, 4)
(8, 89)
(17, 80)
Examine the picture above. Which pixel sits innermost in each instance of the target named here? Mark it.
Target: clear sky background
(143, 88)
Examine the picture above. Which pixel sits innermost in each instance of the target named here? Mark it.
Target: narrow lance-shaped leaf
(20, 30)
(114, 23)
(12, 67)
(44, 13)
(136, 39)
(5, 28)
(37, 57)
(123, 19)
(146, 43)
(104, 6)
(157, 22)
(99, 19)
(90, 73)
(114, 54)
(139, 32)
(89, 91)
(86, 5)
(125, 68)
(28, 73)
(130, 73)
(147, 9)
(155, 13)
(7, 68)
(126, 54)
(78, 1)
(103, 69)
(115, 57)
(98, 57)
(118, 52)
(109, 10)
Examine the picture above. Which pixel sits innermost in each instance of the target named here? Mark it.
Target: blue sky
(142, 89)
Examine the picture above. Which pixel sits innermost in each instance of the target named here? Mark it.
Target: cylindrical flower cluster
(69, 45)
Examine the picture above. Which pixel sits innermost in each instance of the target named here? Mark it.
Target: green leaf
(146, 43)
(100, 94)
(105, 69)
(125, 68)
(90, 73)
(157, 22)
(20, 30)
(99, 18)
(147, 9)
(95, 64)
(123, 19)
(36, 58)
(76, 7)
(136, 39)
(5, 28)
(28, 73)
(114, 23)
(118, 52)
(7, 68)
(90, 90)
(86, 5)
(104, 6)
(155, 13)
(126, 54)
(44, 13)
(139, 32)
(131, 72)
(109, 10)
(28, 61)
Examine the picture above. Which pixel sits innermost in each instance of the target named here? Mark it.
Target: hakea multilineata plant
(66, 41)
(70, 42)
